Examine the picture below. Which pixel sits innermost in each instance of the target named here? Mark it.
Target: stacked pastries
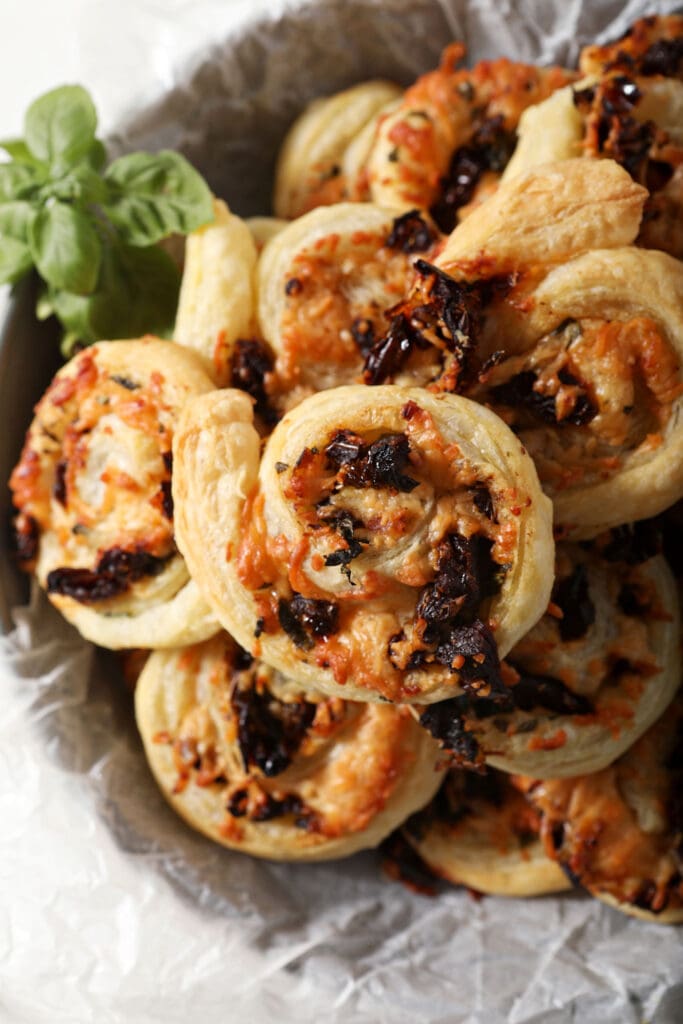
(343, 484)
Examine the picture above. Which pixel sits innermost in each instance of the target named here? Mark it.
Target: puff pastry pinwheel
(570, 334)
(453, 133)
(629, 108)
(93, 493)
(322, 159)
(324, 283)
(387, 545)
(217, 302)
(256, 763)
(618, 832)
(593, 674)
(480, 831)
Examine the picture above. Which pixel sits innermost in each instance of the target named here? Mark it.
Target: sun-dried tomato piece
(466, 575)
(410, 233)
(489, 149)
(471, 651)
(444, 722)
(519, 391)
(251, 362)
(269, 731)
(547, 692)
(633, 543)
(379, 464)
(306, 620)
(572, 595)
(116, 570)
(664, 57)
(25, 539)
(85, 585)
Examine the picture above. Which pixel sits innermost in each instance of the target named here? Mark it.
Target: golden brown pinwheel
(93, 494)
(591, 676)
(324, 283)
(386, 545)
(450, 137)
(541, 309)
(254, 762)
(479, 831)
(628, 108)
(323, 156)
(618, 832)
(217, 303)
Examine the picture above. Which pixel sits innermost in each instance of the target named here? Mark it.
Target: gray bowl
(381, 952)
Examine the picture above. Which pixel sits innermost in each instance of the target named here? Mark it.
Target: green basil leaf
(15, 253)
(81, 186)
(15, 260)
(156, 195)
(17, 181)
(96, 157)
(136, 294)
(16, 219)
(154, 281)
(66, 247)
(60, 126)
(19, 151)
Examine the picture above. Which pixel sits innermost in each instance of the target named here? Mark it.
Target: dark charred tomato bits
(465, 576)
(633, 543)
(166, 499)
(293, 286)
(306, 620)
(471, 651)
(619, 95)
(665, 57)
(377, 465)
(238, 803)
(547, 692)
(632, 601)
(25, 538)
(483, 502)
(85, 585)
(614, 131)
(363, 333)
(124, 382)
(116, 570)
(380, 465)
(572, 595)
(241, 660)
(269, 731)
(444, 722)
(166, 487)
(390, 353)
(520, 391)
(344, 447)
(270, 807)
(251, 362)
(59, 485)
(440, 312)
(489, 149)
(410, 233)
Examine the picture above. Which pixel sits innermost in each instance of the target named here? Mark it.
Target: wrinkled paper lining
(113, 910)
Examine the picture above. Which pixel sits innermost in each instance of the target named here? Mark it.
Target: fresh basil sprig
(92, 231)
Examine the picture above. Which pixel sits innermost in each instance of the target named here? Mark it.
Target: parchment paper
(110, 908)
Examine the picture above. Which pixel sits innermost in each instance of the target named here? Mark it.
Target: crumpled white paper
(111, 910)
